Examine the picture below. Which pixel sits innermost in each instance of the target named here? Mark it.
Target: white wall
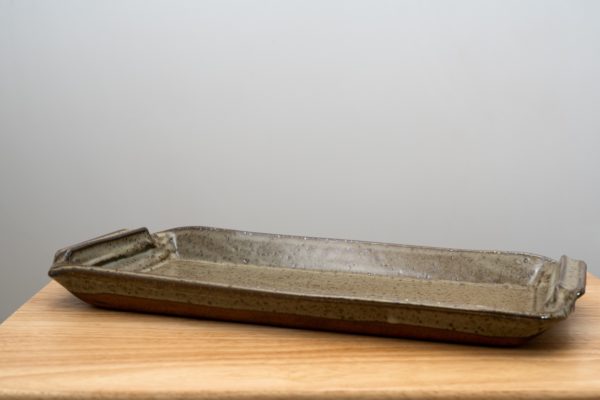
(472, 124)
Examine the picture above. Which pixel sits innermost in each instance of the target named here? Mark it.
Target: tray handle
(122, 242)
(573, 275)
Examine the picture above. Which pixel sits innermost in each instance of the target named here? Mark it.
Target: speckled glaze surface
(486, 297)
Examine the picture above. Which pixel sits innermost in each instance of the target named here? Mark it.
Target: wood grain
(56, 347)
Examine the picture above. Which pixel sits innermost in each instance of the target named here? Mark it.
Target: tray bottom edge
(372, 328)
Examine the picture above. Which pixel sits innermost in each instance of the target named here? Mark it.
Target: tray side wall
(145, 294)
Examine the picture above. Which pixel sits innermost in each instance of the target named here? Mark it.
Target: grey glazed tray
(486, 297)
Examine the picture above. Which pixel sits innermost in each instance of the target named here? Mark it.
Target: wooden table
(57, 347)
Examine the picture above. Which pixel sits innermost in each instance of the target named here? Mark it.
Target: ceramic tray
(486, 297)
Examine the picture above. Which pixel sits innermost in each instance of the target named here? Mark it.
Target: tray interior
(505, 282)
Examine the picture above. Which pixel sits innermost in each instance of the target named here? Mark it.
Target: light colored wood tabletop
(56, 347)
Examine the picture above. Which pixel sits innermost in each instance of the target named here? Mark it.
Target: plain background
(468, 124)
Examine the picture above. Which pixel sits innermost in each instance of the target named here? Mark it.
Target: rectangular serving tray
(485, 297)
